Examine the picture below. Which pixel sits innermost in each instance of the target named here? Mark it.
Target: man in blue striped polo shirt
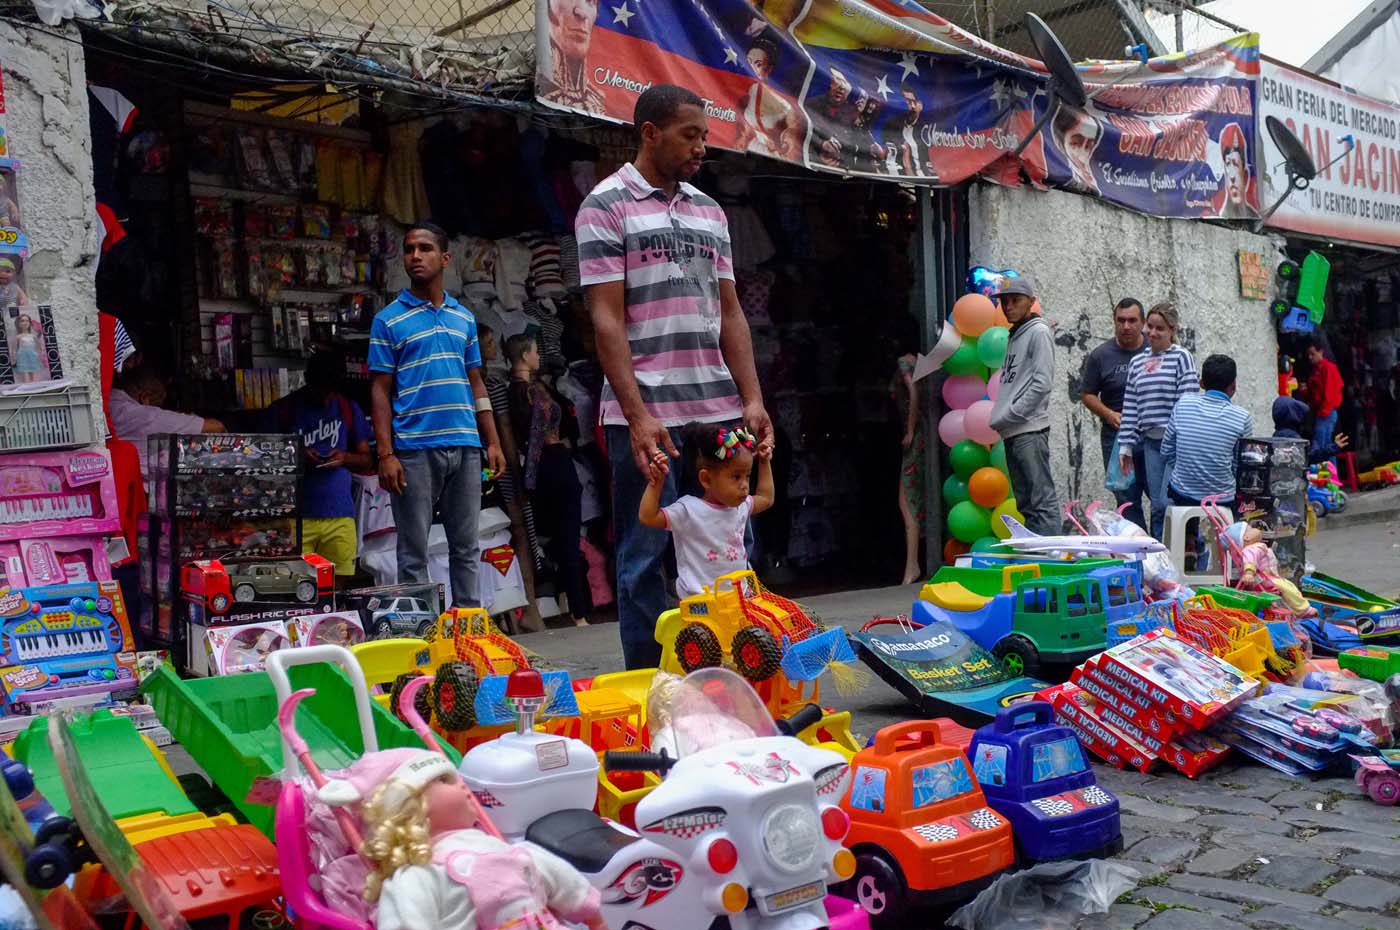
(425, 392)
(1199, 444)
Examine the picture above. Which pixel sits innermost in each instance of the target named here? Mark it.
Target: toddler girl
(709, 530)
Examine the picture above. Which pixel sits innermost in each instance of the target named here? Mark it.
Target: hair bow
(730, 441)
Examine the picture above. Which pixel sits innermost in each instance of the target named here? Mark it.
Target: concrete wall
(46, 120)
(1086, 256)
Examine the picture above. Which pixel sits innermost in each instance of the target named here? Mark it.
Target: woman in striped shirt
(1156, 378)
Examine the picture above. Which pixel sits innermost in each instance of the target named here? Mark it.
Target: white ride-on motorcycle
(743, 833)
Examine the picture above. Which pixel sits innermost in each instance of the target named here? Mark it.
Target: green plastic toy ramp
(228, 724)
(129, 777)
(1312, 286)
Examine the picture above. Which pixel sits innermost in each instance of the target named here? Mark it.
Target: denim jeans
(447, 480)
(1133, 495)
(1157, 474)
(1028, 461)
(1323, 430)
(641, 551)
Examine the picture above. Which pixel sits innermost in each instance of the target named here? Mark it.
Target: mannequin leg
(911, 537)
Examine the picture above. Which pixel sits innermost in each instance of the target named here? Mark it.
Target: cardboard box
(339, 628)
(1103, 740)
(228, 650)
(1193, 685)
(219, 592)
(1133, 705)
(394, 610)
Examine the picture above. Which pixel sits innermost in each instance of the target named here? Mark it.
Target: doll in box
(431, 865)
(28, 343)
(1260, 571)
(11, 294)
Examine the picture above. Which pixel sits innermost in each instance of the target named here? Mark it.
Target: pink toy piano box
(57, 494)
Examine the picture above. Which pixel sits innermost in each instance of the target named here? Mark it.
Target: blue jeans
(1133, 495)
(641, 551)
(1157, 475)
(1323, 430)
(447, 480)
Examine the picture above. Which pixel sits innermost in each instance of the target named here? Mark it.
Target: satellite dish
(1065, 88)
(1065, 82)
(1298, 164)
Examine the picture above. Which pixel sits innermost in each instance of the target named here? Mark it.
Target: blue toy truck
(1034, 774)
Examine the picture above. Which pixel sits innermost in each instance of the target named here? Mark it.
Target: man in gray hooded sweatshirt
(1021, 413)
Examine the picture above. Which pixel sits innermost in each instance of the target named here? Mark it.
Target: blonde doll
(431, 867)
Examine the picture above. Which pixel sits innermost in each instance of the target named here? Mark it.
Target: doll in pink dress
(1260, 571)
(433, 869)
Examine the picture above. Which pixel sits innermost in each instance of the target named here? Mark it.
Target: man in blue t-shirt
(335, 436)
(426, 389)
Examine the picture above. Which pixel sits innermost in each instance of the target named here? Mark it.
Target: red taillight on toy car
(835, 823)
(722, 856)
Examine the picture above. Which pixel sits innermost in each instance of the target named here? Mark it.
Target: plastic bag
(1159, 574)
(1117, 479)
(1048, 896)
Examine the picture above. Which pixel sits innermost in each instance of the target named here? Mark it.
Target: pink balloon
(961, 391)
(977, 423)
(951, 429)
(994, 384)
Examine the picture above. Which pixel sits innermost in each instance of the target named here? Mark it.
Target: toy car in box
(921, 830)
(395, 610)
(218, 591)
(1034, 774)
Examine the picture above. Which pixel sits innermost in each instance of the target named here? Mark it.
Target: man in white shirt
(136, 412)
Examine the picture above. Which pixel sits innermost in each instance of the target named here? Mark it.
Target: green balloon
(968, 522)
(991, 346)
(954, 490)
(964, 360)
(966, 457)
(986, 544)
(998, 458)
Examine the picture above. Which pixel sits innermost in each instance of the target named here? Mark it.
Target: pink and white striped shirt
(671, 255)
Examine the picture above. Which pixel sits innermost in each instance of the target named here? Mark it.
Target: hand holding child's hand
(764, 452)
(660, 468)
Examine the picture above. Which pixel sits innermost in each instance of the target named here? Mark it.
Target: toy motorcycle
(743, 833)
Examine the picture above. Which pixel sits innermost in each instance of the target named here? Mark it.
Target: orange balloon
(988, 487)
(973, 313)
(954, 548)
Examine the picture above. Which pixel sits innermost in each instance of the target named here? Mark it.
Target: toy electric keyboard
(63, 641)
(57, 494)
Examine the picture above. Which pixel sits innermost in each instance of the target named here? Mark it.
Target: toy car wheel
(879, 890)
(1384, 788)
(219, 603)
(384, 628)
(422, 701)
(1288, 270)
(1318, 508)
(1018, 656)
(1339, 501)
(425, 629)
(306, 592)
(698, 647)
(47, 867)
(244, 593)
(757, 655)
(454, 696)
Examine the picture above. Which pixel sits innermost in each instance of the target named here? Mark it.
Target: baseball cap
(1021, 284)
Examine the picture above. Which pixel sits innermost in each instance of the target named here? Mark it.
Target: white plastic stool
(1176, 530)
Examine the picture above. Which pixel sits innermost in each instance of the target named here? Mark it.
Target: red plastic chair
(1346, 471)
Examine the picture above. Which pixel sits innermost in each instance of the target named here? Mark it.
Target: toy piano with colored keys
(64, 641)
(57, 494)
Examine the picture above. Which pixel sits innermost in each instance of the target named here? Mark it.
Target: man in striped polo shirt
(425, 392)
(1199, 444)
(654, 256)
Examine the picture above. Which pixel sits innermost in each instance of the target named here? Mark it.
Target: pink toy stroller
(295, 853)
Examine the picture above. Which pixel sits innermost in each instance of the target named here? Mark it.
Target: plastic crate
(50, 420)
(229, 726)
(1156, 615)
